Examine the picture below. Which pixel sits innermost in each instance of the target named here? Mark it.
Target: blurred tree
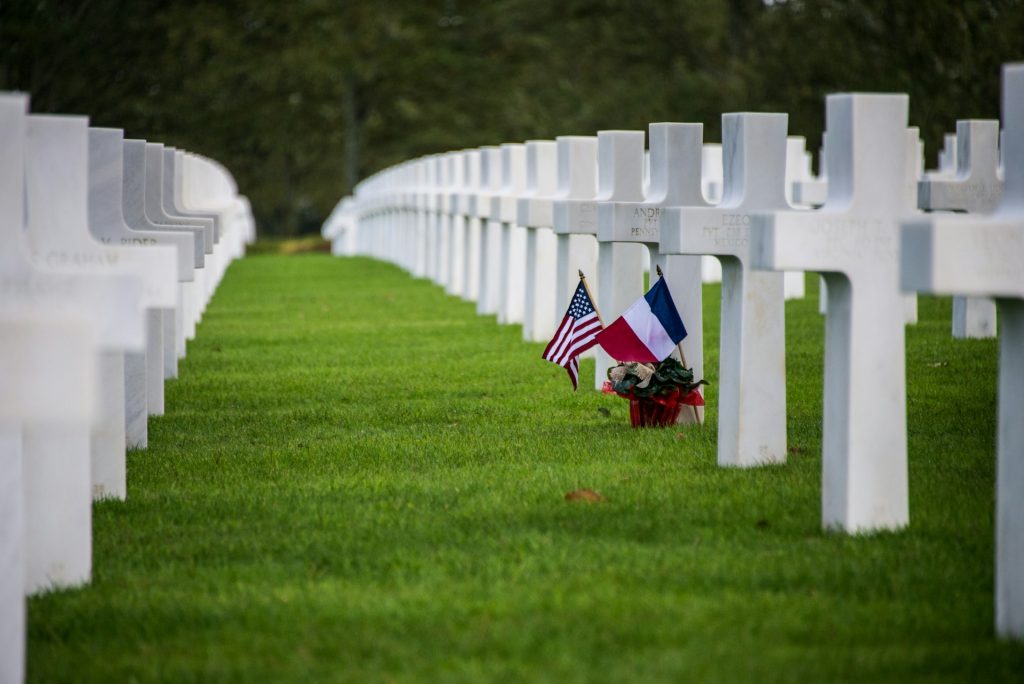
(301, 99)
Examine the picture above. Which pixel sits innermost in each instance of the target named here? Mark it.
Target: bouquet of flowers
(657, 393)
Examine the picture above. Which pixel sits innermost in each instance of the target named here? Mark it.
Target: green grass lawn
(358, 479)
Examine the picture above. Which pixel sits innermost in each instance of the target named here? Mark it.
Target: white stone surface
(620, 264)
(157, 186)
(752, 370)
(535, 213)
(512, 282)
(171, 207)
(854, 242)
(442, 227)
(12, 548)
(57, 175)
(46, 362)
(457, 224)
(982, 256)
(712, 174)
(676, 158)
(489, 298)
(107, 224)
(575, 222)
(150, 156)
(133, 198)
(470, 286)
(913, 171)
(798, 169)
(974, 187)
(424, 179)
(435, 164)
(56, 553)
(813, 191)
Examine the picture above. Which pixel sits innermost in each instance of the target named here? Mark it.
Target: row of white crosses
(611, 211)
(111, 250)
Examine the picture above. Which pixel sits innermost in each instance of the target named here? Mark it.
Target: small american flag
(575, 335)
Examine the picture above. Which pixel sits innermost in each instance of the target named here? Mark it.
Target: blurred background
(302, 98)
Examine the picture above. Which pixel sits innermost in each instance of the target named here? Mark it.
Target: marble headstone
(982, 256)
(853, 240)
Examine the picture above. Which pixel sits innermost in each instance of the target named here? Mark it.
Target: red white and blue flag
(575, 335)
(648, 331)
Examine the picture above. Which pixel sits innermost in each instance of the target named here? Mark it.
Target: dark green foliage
(301, 99)
(358, 479)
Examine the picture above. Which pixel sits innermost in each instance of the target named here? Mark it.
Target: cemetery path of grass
(358, 479)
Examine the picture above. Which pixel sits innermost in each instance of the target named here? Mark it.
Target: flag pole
(682, 356)
(586, 286)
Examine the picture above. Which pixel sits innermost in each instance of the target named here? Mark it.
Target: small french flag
(648, 331)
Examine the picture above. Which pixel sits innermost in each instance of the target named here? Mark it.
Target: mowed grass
(359, 479)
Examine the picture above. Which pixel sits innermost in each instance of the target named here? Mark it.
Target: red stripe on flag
(561, 351)
(563, 328)
(622, 344)
(573, 369)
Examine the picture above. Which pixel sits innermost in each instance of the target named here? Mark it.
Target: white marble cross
(424, 177)
(913, 170)
(59, 240)
(106, 223)
(153, 206)
(48, 350)
(170, 206)
(812, 191)
(458, 236)
(620, 263)
(489, 290)
(798, 169)
(47, 362)
(947, 159)
(470, 261)
(854, 242)
(975, 188)
(435, 163)
(752, 363)
(217, 207)
(209, 188)
(512, 283)
(574, 218)
(449, 181)
(134, 189)
(575, 221)
(711, 174)
(628, 219)
(984, 256)
(535, 214)
(58, 548)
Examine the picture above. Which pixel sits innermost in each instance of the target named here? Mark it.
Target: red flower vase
(650, 413)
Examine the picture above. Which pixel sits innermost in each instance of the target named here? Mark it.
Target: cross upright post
(975, 188)
(620, 168)
(470, 285)
(676, 158)
(575, 221)
(455, 258)
(853, 242)
(489, 290)
(512, 279)
(424, 179)
(752, 362)
(534, 213)
(982, 256)
(444, 217)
